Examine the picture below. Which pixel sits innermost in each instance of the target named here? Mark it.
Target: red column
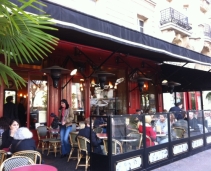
(134, 98)
(54, 97)
(87, 98)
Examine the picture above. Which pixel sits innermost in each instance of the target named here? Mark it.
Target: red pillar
(87, 98)
(54, 97)
(134, 97)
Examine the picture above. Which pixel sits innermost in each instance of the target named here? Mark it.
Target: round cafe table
(35, 167)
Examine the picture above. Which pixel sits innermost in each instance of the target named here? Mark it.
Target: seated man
(161, 126)
(193, 123)
(100, 122)
(85, 132)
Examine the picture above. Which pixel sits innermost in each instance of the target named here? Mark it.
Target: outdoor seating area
(147, 143)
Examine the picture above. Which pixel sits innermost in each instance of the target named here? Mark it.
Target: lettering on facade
(180, 148)
(158, 155)
(197, 143)
(208, 139)
(129, 164)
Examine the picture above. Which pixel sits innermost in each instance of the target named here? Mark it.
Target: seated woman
(7, 136)
(23, 140)
(149, 131)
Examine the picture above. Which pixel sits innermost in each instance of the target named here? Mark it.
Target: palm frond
(22, 35)
(6, 72)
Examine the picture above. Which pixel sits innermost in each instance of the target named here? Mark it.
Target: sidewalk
(198, 162)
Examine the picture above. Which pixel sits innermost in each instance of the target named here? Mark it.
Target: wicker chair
(54, 145)
(139, 138)
(42, 133)
(3, 155)
(147, 137)
(34, 155)
(82, 147)
(14, 162)
(115, 145)
(179, 132)
(74, 145)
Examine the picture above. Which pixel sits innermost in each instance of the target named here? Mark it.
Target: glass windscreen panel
(195, 120)
(207, 120)
(125, 134)
(159, 122)
(178, 127)
(99, 140)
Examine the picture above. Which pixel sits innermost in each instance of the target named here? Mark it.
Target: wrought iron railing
(207, 30)
(171, 15)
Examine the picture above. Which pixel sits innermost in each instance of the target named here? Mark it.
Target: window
(141, 26)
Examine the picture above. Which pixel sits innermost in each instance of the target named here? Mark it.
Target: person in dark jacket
(101, 122)
(7, 136)
(193, 123)
(177, 110)
(95, 141)
(10, 110)
(23, 140)
(22, 112)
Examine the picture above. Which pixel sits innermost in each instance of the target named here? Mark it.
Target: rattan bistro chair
(3, 155)
(82, 147)
(74, 145)
(179, 132)
(42, 133)
(14, 162)
(116, 146)
(34, 155)
(137, 144)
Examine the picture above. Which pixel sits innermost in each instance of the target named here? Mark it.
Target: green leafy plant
(22, 37)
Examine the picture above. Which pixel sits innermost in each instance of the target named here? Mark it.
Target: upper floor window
(141, 26)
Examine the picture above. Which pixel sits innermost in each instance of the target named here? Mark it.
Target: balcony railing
(171, 15)
(207, 30)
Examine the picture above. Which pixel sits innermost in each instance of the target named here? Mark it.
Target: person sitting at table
(135, 119)
(7, 136)
(23, 140)
(101, 122)
(149, 131)
(172, 119)
(85, 132)
(193, 123)
(161, 126)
